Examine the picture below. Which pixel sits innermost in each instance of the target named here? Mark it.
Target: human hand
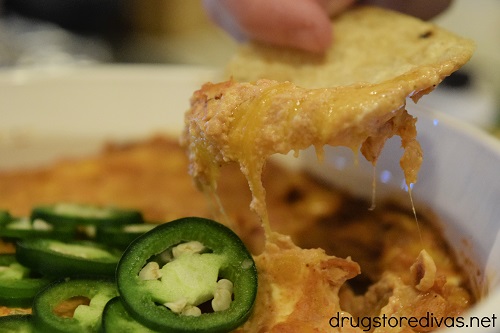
(301, 24)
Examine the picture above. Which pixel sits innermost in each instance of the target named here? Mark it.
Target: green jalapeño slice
(17, 285)
(86, 317)
(188, 275)
(73, 214)
(56, 258)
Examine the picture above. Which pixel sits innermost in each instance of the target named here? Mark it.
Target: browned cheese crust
(151, 175)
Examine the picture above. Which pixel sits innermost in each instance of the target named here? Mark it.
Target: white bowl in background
(70, 111)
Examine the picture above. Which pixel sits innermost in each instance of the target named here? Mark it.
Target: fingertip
(315, 39)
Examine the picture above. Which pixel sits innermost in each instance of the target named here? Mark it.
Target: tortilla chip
(370, 45)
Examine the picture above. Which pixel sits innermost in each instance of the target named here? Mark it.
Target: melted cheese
(248, 122)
